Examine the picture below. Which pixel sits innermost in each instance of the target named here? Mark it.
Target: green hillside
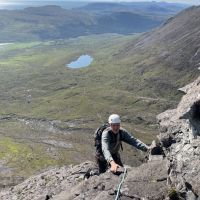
(54, 22)
(48, 112)
(49, 108)
(43, 104)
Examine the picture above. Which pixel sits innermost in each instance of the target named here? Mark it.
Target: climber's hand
(153, 145)
(114, 166)
(150, 147)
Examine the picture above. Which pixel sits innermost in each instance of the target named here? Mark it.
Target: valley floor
(48, 112)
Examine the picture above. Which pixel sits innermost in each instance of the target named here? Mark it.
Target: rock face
(172, 171)
(180, 135)
(67, 183)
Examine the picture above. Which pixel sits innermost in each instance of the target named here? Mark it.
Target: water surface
(82, 61)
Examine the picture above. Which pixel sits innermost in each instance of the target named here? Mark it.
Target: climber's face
(115, 127)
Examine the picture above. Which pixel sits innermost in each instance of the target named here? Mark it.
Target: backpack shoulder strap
(120, 138)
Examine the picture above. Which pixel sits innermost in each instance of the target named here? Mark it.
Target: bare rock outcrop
(180, 136)
(149, 181)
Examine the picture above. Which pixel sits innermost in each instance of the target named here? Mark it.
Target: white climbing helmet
(114, 119)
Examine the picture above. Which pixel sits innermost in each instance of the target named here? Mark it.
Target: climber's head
(114, 121)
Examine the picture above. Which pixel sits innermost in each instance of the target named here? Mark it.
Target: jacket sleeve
(129, 139)
(105, 141)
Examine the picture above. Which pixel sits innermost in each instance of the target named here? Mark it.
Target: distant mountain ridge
(178, 38)
(54, 22)
(143, 7)
(170, 54)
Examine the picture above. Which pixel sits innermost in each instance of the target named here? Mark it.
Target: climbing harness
(120, 184)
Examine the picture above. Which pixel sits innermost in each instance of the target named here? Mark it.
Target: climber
(108, 140)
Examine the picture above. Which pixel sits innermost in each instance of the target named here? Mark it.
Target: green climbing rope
(120, 184)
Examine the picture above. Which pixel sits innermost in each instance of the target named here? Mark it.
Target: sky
(195, 2)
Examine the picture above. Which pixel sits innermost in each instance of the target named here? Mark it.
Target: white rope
(120, 184)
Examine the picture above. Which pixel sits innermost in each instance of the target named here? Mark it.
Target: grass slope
(48, 108)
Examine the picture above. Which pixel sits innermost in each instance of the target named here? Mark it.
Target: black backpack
(97, 138)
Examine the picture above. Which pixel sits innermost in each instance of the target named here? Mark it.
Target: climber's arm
(105, 141)
(128, 138)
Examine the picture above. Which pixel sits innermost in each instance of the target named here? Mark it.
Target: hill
(140, 7)
(53, 22)
(170, 49)
(49, 112)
